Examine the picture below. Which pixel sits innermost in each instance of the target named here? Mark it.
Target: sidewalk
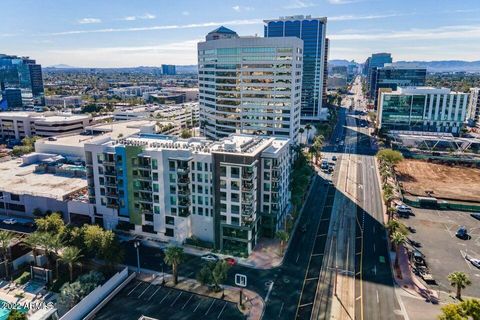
(253, 305)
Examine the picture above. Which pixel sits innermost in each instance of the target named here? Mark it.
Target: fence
(442, 205)
(81, 309)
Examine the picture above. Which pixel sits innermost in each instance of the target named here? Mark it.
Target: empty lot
(457, 183)
(443, 250)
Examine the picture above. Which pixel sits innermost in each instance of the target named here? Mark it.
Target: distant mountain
(61, 66)
(443, 66)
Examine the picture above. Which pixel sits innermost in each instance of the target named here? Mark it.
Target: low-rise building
(191, 94)
(226, 192)
(422, 109)
(18, 125)
(63, 101)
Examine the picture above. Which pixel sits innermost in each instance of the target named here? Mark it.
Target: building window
(171, 165)
(173, 200)
(223, 171)
(169, 232)
(235, 172)
(170, 220)
(235, 197)
(156, 210)
(199, 166)
(235, 221)
(235, 209)
(200, 211)
(14, 197)
(234, 185)
(154, 164)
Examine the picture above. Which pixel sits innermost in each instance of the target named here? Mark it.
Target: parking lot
(445, 253)
(142, 298)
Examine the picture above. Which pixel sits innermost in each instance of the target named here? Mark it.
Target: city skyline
(152, 33)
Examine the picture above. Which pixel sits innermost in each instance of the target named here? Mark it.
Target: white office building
(250, 85)
(474, 108)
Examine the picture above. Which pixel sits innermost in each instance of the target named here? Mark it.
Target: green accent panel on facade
(132, 152)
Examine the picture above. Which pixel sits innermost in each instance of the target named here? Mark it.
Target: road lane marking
(270, 287)
(378, 301)
(191, 296)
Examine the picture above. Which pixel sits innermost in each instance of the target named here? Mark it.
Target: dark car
(462, 233)
(475, 216)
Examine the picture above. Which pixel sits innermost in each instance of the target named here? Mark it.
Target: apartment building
(18, 125)
(250, 85)
(422, 109)
(226, 192)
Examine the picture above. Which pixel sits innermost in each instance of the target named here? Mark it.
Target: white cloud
(146, 16)
(446, 32)
(185, 13)
(161, 27)
(368, 17)
(343, 1)
(241, 8)
(299, 4)
(89, 20)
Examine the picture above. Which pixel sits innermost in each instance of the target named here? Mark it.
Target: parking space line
(141, 294)
(154, 293)
(191, 296)
(165, 297)
(198, 305)
(210, 307)
(225, 304)
(139, 283)
(174, 301)
(464, 256)
(281, 309)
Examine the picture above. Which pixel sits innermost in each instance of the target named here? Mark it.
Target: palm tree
(318, 143)
(460, 280)
(398, 239)
(173, 257)
(70, 256)
(283, 237)
(5, 238)
(33, 242)
(396, 226)
(308, 127)
(301, 131)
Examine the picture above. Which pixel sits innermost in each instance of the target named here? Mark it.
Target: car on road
(414, 243)
(230, 261)
(462, 233)
(411, 229)
(10, 221)
(475, 216)
(334, 158)
(475, 262)
(404, 208)
(210, 257)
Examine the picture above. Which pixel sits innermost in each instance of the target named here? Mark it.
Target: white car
(10, 221)
(403, 208)
(475, 262)
(210, 257)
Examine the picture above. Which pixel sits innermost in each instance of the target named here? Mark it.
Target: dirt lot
(455, 183)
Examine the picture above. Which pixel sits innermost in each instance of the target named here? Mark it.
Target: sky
(121, 33)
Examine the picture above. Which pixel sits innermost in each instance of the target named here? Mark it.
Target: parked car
(230, 261)
(411, 229)
(10, 221)
(475, 262)
(334, 158)
(462, 233)
(210, 257)
(415, 243)
(475, 216)
(404, 208)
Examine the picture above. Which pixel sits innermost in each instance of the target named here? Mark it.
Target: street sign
(241, 280)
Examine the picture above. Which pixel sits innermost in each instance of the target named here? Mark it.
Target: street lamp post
(136, 244)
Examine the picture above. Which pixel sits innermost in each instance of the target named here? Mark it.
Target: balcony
(247, 186)
(143, 177)
(183, 181)
(184, 192)
(111, 184)
(110, 173)
(144, 199)
(183, 171)
(183, 202)
(247, 175)
(184, 212)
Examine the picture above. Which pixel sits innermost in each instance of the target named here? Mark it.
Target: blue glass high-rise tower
(312, 32)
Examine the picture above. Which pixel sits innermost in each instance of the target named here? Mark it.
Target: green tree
(204, 276)
(468, 309)
(52, 223)
(174, 257)
(70, 256)
(459, 280)
(397, 226)
(6, 238)
(219, 273)
(16, 315)
(390, 156)
(185, 134)
(283, 236)
(317, 144)
(398, 239)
